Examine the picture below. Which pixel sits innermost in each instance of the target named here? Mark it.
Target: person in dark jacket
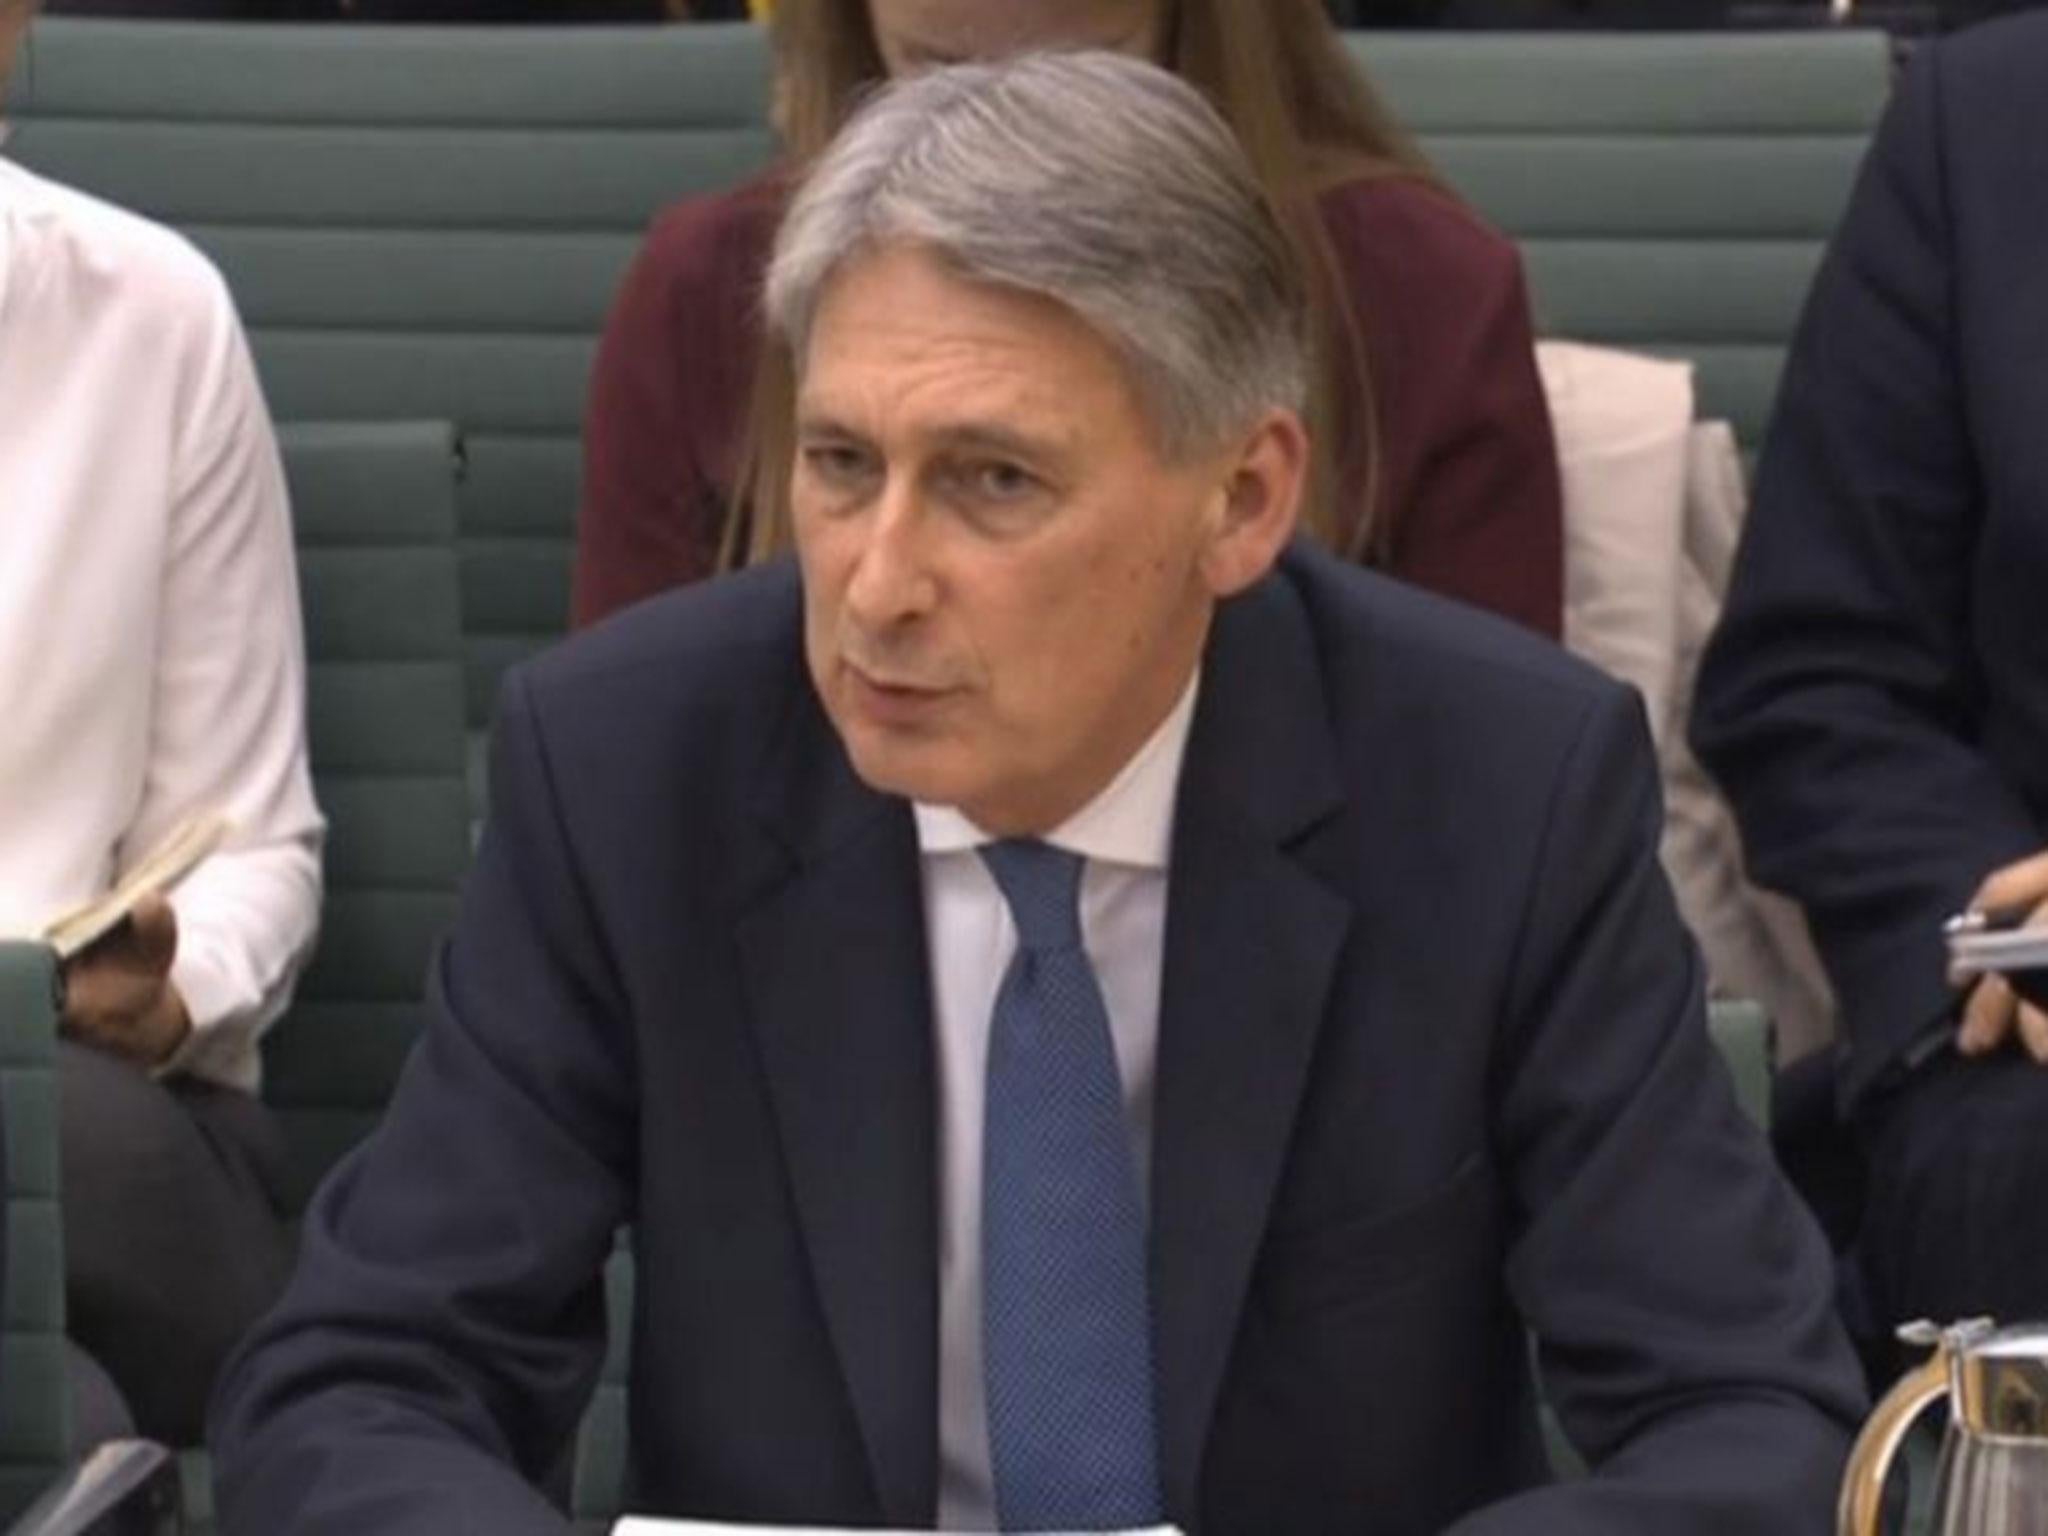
(1876, 700)
(821, 932)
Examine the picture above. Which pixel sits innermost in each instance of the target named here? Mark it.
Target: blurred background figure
(1436, 460)
(152, 670)
(1876, 700)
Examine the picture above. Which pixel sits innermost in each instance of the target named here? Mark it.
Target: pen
(1988, 919)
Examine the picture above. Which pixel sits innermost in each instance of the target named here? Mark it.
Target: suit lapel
(1251, 944)
(834, 960)
(833, 956)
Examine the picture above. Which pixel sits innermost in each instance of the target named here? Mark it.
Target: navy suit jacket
(1876, 700)
(1432, 1063)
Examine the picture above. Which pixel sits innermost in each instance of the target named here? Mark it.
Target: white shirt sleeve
(227, 729)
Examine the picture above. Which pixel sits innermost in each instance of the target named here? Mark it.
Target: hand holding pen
(2013, 897)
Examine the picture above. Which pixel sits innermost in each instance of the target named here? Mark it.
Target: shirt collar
(1130, 822)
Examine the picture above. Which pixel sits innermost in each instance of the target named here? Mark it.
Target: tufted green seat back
(1671, 193)
(373, 511)
(430, 222)
(35, 1426)
(374, 519)
(598, 1473)
(374, 514)
(418, 222)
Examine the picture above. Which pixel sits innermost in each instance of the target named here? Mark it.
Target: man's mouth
(892, 696)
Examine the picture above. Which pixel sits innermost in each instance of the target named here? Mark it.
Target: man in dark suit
(1086, 1025)
(1876, 701)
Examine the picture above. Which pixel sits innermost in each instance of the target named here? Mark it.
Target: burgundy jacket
(1468, 468)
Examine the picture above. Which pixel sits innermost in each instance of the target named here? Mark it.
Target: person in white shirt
(151, 669)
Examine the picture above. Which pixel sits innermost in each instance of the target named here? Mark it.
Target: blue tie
(1066, 1323)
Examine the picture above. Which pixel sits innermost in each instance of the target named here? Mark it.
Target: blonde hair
(1307, 120)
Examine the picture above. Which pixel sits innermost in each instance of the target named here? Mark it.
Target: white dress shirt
(1124, 834)
(151, 656)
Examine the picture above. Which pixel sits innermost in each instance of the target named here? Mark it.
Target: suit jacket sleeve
(1681, 1299)
(446, 1323)
(1836, 704)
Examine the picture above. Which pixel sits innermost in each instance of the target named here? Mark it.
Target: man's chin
(910, 770)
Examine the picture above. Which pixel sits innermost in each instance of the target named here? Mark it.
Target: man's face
(1006, 585)
(917, 34)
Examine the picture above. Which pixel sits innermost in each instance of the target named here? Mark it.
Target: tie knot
(1042, 884)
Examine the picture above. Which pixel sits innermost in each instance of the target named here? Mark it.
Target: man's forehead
(899, 338)
(1006, 418)
(904, 291)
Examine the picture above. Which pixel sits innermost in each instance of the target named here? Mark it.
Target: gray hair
(1093, 179)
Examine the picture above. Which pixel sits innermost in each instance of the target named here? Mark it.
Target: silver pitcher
(1993, 1477)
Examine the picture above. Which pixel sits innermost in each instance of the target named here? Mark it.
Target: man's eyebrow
(998, 440)
(984, 437)
(823, 424)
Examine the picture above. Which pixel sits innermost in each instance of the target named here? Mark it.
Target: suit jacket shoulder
(1427, 664)
(659, 727)
(711, 637)
(1992, 73)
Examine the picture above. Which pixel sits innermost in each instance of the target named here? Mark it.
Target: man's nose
(892, 577)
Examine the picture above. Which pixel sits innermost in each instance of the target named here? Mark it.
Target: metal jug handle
(1862, 1500)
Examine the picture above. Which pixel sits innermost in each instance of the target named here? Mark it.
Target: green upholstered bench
(597, 1486)
(1670, 193)
(418, 222)
(430, 222)
(35, 1412)
(374, 516)
(373, 508)
(1742, 1031)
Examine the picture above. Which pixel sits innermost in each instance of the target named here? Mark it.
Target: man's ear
(1258, 504)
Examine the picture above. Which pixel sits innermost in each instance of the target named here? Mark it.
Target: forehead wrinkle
(951, 391)
(904, 349)
(965, 429)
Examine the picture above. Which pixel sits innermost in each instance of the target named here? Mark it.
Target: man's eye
(836, 464)
(997, 481)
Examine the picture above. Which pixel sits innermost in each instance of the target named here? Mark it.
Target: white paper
(189, 843)
(634, 1525)
(2009, 949)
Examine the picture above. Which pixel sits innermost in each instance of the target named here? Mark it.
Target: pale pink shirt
(151, 657)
